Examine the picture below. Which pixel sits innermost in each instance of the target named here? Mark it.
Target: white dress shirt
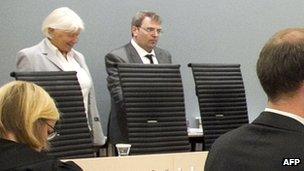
(68, 63)
(293, 116)
(142, 53)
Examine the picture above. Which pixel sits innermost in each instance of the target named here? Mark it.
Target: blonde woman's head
(25, 112)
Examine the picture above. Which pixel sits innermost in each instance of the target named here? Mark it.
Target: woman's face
(64, 40)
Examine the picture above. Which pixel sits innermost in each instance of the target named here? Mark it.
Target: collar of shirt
(293, 116)
(142, 53)
(55, 49)
(68, 63)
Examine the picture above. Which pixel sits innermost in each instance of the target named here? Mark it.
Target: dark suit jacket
(261, 145)
(19, 157)
(41, 58)
(117, 128)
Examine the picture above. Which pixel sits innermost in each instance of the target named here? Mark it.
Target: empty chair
(221, 96)
(154, 108)
(75, 139)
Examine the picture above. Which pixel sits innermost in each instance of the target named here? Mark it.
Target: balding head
(291, 36)
(280, 67)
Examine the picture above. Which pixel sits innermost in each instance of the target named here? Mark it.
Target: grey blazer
(117, 128)
(41, 58)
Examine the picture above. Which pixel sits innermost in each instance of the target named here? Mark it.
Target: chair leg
(203, 144)
(102, 151)
(112, 151)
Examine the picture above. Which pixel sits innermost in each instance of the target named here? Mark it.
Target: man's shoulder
(160, 49)
(119, 50)
(119, 53)
(233, 136)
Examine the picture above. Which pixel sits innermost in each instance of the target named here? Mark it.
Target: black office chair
(75, 139)
(154, 104)
(221, 96)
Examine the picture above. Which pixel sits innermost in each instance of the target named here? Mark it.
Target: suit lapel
(158, 55)
(132, 54)
(279, 121)
(50, 55)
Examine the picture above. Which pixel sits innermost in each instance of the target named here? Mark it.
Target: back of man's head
(280, 67)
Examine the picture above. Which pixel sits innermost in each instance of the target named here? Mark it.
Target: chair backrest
(75, 139)
(154, 105)
(221, 96)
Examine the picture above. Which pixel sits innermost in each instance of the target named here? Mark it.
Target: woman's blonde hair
(24, 107)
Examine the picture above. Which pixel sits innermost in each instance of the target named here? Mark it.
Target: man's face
(147, 35)
(63, 40)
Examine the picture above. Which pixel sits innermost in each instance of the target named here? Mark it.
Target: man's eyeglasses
(151, 30)
(53, 134)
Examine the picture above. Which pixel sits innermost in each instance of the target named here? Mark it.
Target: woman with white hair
(55, 52)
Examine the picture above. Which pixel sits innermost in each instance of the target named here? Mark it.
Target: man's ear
(301, 89)
(134, 31)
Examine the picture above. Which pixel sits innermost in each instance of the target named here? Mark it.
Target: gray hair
(62, 18)
(141, 15)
